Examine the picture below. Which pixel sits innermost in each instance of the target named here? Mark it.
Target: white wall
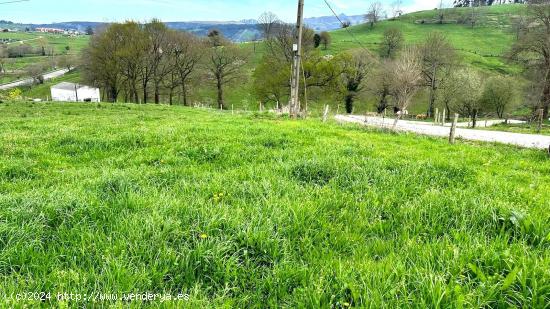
(63, 95)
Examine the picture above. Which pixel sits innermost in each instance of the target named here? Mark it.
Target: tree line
(144, 63)
(150, 63)
(393, 77)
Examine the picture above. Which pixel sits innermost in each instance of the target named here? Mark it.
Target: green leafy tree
(391, 43)
(468, 95)
(316, 40)
(326, 39)
(271, 81)
(356, 67)
(499, 94)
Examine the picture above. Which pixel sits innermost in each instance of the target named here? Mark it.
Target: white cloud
(422, 5)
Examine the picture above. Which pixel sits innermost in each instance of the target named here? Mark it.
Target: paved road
(29, 81)
(424, 128)
(480, 123)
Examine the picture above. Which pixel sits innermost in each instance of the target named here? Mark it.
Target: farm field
(62, 45)
(256, 210)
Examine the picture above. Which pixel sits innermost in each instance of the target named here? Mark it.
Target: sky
(49, 11)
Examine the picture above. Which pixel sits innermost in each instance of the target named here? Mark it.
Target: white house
(69, 92)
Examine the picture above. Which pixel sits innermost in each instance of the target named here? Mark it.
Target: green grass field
(252, 210)
(57, 41)
(16, 67)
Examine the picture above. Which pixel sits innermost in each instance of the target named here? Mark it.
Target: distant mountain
(238, 31)
(328, 23)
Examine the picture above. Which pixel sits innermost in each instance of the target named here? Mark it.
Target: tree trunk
(546, 95)
(221, 104)
(397, 118)
(474, 118)
(157, 93)
(145, 94)
(171, 96)
(113, 93)
(136, 95)
(184, 93)
(448, 110)
(432, 92)
(349, 103)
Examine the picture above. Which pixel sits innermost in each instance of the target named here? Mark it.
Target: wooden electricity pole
(297, 49)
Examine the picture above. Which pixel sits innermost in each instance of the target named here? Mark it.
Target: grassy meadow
(483, 46)
(253, 210)
(15, 67)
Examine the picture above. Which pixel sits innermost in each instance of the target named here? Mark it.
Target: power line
(345, 27)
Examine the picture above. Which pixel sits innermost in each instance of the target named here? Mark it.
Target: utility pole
(297, 49)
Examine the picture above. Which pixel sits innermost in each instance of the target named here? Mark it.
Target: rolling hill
(482, 47)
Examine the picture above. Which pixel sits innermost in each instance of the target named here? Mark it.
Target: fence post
(325, 114)
(453, 129)
(541, 116)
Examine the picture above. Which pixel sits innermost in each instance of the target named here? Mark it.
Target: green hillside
(481, 46)
(61, 45)
(255, 211)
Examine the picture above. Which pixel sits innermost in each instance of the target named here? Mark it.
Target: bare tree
(132, 54)
(36, 72)
(381, 85)
(441, 12)
(407, 75)
(186, 57)
(437, 53)
(68, 62)
(3, 57)
(157, 66)
(280, 44)
(374, 13)
(102, 65)
(225, 64)
(396, 9)
(268, 23)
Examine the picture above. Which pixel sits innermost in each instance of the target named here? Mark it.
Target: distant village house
(50, 30)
